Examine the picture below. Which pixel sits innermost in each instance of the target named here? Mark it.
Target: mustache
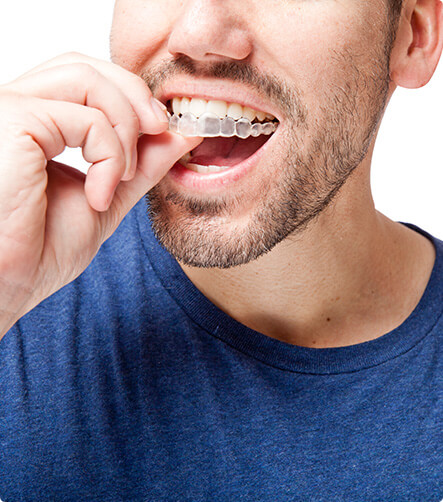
(266, 85)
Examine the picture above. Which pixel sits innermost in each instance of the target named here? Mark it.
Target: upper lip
(216, 90)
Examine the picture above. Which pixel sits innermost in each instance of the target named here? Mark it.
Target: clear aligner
(210, 125)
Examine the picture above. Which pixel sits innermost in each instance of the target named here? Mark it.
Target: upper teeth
(197, 107)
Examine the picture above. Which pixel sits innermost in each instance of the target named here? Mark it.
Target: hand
(53, 219)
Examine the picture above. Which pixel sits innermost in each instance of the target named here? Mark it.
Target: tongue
(226, 151)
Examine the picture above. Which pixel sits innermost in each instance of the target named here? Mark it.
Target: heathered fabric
(129, 385)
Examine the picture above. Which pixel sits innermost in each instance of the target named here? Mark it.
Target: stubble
(204, 232)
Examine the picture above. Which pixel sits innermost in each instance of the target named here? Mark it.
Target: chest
(197, 442)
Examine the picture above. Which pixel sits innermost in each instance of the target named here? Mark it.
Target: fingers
(85, 94)
(135, 89)
(122, 96)
(82, 84)
(57, 124)
(157, 154)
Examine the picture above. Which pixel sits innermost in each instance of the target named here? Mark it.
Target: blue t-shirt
(129, 385)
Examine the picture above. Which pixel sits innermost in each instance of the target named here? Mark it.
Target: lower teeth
(210, 125)
(204, 169)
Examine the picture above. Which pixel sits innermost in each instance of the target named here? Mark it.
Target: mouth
(233, 133)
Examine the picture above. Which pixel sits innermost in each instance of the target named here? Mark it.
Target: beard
(290, 191)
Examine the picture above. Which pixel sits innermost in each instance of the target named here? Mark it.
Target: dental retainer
(210, 125)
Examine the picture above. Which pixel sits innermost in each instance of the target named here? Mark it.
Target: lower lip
(205, 182)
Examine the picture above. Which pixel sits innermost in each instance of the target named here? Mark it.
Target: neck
(351, 276)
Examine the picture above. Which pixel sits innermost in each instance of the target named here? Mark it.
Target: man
(266, 334)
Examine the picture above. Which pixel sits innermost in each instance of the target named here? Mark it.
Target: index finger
(134, 87)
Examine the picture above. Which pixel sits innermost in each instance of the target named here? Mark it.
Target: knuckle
(16, 127)
(106, 131)
(16, 130)
(99, 118)
(62, 59)
(84, 70)
(72, 56)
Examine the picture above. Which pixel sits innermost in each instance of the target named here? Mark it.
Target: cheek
(139, 29)
(317, 50)
(303, 47)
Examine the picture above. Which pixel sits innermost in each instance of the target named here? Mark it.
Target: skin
(78, 101)
(296, 250)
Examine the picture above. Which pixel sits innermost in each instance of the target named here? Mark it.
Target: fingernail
(159, 110)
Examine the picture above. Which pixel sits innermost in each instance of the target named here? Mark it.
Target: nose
(210, 30)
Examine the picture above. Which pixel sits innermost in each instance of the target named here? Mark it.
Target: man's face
(320, 66)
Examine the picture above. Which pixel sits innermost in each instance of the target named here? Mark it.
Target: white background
(407, 175)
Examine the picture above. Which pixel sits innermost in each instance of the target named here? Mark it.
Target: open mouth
(232, 133)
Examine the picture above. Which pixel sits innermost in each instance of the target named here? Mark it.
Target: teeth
(198, 107)
(249, 113)
(268, 128)
(243, 128)
(198, 117)
(176, 108)
(220, 108)
(173, 123)
(208, 125)
(205, 169)
(235, 111)
(184, 106)
(227, 127)
(261, 116)
(187, 125)
(256, 130)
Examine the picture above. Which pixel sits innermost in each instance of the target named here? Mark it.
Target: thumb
(156, 155)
